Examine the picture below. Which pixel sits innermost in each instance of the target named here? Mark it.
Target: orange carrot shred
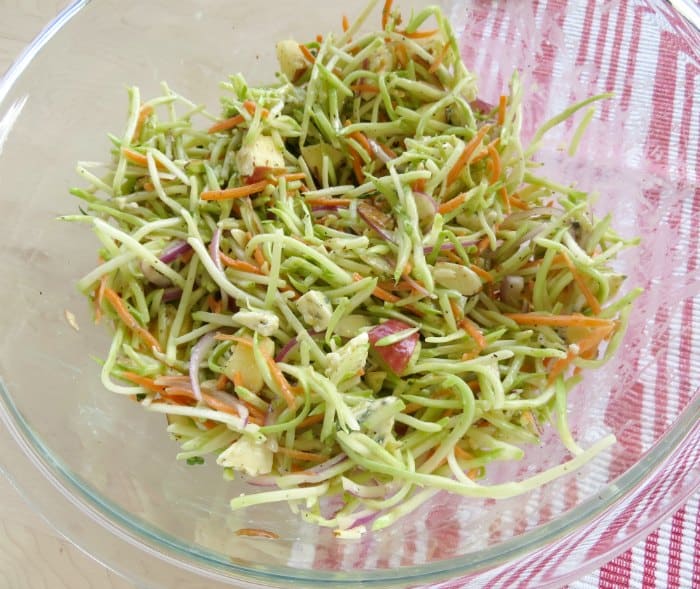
(236, 192)
(145, 112)
(484, 274)
(452, 204)
(575, 319)
(346, 24)
(259, 257)
(222, 381)
(143, 381)
(369, 88)
(226, 124)
(418, 34)
(240, 265)
(468, 151)
(319, 202)
(139, 159)
(502, 102)
(237, 379)
(439, 59)
(311, 420)
(256, 533)
(583, 287)
(496, 160)
(362, 140)
(300, 455)
(307, 54)
(285, 387)
(386, 12)
(357, 166)
(470, 327)
(120, 307)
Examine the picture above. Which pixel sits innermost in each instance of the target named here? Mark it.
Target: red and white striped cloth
(669, 558)
(646, 52)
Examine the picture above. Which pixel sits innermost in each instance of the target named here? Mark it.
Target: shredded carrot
(452, 204)
(285, 387)
(387, 150)
(217, 405)
(483, 244)
(419, 185)
(575, 320)
(502, 103)
(336, 202)
(120, 307)
(259, 258)
(463, 454)
(456, 311)
(319, 38)
(516, 201)
(138, 158)
(143, 381)
(470, 327)
(307, 54)
(99, 294)
(357, 166)
(236, 192)
(369, 88)
(222, 381)
(439, 59)
(148, 186)
(311, 420)
(402, 54)
(213, 304)
(496, 161)
(256, 533)
(237, 379)
(178, 399)
(362, 140)
(453, 256)
(346, 24)
(300, 455)
(251, 107)
(386, 12)
(469, 150)
(557, 260)
(418, 34)
(583, 287)
(226, 124)
(240, 265)
(587, 346)
(293, 177)
(484, 274)
(379, 292)
(145, 112)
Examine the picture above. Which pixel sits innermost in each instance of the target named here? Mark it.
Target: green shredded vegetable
(358, 284)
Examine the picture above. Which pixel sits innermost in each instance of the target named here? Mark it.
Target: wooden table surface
(32, 554)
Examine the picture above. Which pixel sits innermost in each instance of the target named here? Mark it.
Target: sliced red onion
(449, 246)
(396, 355)
(214, 247)
(481, 106)
(417, 286)
(198, 352)
(291, 344)
(153, 276)
(372, 216)
(233, 403)
(172, 294)
(174, 251)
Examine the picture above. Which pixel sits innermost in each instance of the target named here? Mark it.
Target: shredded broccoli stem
(362, 191)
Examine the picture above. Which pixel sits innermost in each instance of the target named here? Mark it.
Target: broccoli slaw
(353, 289)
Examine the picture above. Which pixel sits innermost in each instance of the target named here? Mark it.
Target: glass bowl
(103, 472)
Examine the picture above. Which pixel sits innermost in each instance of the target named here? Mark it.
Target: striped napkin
(669, 558)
